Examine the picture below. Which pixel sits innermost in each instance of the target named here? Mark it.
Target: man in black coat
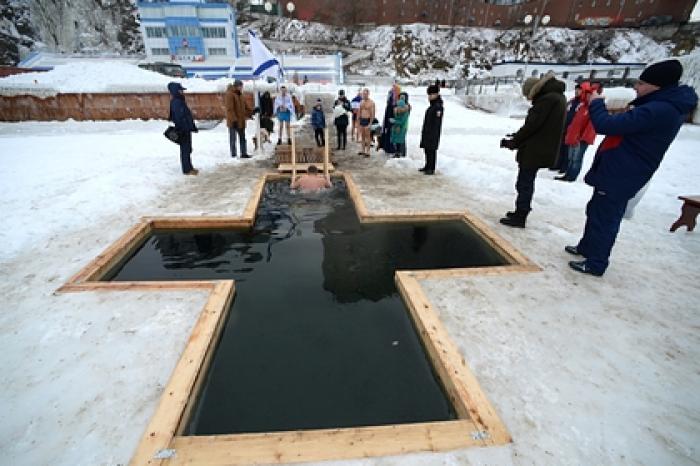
(537, 142)
(181, 116)
(432, 126)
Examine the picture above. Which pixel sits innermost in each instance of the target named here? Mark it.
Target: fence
(204, 106)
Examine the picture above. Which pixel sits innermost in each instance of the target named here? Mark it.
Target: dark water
(317, 336)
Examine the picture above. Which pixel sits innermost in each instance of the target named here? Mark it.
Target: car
(168, 69)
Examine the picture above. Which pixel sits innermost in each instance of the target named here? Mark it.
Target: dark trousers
(400, 149)
(342, 132)
(563, 159)
(430, 156)
(603, 218)
(232, 134)
(318, 134)
(185, 151)
(525, 186)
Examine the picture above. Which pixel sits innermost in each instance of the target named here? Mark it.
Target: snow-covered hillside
(427, 51)
(86, 26)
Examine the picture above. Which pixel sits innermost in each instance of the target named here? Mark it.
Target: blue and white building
(188, 30)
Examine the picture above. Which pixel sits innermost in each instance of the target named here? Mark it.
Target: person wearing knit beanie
(634, 146)
(662, 74)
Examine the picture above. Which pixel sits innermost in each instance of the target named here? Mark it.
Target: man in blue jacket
(634, 146)
(181, 116)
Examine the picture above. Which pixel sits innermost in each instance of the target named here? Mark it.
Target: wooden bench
(689, 213)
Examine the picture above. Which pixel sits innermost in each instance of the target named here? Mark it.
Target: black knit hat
(662, 74)
(433, 89)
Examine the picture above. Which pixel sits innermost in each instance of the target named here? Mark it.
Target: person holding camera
(579, 133)
(634, 146)
(537, 141)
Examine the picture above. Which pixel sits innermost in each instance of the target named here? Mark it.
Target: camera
(507, 143)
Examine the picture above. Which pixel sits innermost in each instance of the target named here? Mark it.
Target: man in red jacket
(580, 134)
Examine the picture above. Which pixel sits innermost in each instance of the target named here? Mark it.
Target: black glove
(508, 143)
(195, 130)
(256, 110)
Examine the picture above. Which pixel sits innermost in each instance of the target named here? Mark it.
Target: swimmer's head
(312, 169)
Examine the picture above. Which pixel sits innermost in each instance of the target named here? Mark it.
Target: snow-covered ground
(582, 370)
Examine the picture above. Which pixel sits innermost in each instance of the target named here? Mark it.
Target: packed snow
(582, 370)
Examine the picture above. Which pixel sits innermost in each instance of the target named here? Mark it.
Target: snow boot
(516, 220)
(572, 250)
(583, 267)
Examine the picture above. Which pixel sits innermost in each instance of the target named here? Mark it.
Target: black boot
(516, 220)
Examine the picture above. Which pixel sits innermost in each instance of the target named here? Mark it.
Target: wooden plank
(459, 382)
(356, 197)
(471, 271)
(412, 216)
(252, 206)
(164, 423)
(145, 286)
(498, 242)
(318, 445)
(181, 223)
(299, 167)
(110, 256)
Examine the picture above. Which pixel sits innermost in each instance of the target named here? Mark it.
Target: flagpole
(256, 100)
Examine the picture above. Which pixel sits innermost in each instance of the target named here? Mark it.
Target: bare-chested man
(312, 181)
(366, 115)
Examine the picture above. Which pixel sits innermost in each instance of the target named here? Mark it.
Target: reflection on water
(317, 336)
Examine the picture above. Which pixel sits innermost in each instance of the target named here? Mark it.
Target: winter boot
(516, 220)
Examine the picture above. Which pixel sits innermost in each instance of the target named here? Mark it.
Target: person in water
(311, 181)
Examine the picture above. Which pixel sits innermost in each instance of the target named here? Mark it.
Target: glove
(195, 130)
(391, 120)
(508, 144)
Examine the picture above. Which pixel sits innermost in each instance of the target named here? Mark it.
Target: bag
(172, 134)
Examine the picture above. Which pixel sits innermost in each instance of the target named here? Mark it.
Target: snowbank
(108, 76)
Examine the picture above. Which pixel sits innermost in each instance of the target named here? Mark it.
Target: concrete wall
(108, 106)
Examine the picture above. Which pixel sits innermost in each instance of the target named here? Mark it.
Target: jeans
(185, 151)
(603, 218)
(342, 132)
(525, 186)
(232, 140)
(318, 134)
(575, 161)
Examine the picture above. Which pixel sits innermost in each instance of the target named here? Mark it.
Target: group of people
(551, 137)
(361, 111)
(634, 145)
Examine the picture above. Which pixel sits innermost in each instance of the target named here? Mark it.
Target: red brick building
(496, 13)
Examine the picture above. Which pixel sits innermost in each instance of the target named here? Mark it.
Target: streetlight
(290, 8)
(268, 7)
(544, 20)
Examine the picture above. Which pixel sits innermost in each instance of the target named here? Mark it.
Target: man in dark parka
(537, 141)
(432, 126)
(181, 116)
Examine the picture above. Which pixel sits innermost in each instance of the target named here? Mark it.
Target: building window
(160, 51)
(214, 33)
(217, 51)
(187, 51)
(155, 32)
(182, 31)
